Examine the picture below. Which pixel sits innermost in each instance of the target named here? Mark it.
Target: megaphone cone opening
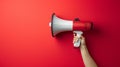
(52, 25)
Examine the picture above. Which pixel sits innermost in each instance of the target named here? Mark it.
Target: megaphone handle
(79, 33)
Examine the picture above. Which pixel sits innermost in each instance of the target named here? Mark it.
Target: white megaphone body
(59, 25)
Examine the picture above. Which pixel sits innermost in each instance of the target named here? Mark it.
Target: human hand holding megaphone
(77, 40)
(59, 25)
(82, 40)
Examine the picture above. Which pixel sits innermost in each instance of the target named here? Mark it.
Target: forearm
(87, 59)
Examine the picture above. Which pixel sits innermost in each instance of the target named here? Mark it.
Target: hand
(82, 39)
(76, 38)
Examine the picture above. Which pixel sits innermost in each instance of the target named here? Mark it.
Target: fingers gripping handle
(78, 34)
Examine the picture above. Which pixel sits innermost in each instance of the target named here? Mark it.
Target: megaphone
(59, 25)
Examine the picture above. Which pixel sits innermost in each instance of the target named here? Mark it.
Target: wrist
(83, 46)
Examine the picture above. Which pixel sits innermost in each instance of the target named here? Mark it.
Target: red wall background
(26, 41)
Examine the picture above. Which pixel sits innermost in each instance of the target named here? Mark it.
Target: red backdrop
(26, 41)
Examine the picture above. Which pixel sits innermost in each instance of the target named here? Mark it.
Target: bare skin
(87, 59)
